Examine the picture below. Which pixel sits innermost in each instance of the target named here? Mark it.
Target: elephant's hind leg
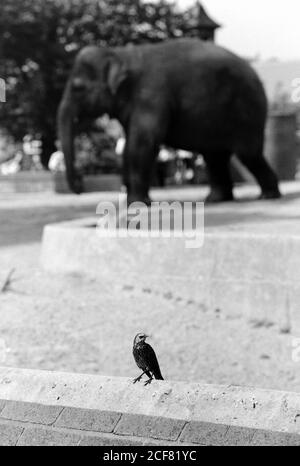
(261, 170)
(218, 168)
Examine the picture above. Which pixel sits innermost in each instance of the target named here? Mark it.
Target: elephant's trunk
(65, 118)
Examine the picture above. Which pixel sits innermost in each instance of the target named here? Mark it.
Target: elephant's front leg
(140, 153)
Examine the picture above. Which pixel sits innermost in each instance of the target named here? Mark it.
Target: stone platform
(249, 263)
(52, 408)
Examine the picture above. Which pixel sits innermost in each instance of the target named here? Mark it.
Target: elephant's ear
(116, 74)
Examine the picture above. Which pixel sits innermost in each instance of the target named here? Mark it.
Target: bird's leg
(138, 379)
(149, 380)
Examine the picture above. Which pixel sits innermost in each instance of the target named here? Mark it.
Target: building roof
(200, 19)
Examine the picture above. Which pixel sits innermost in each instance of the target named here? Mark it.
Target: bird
(145, 359)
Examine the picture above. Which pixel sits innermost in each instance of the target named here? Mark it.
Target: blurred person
(57, 160)
(120, 146)
(13, 165)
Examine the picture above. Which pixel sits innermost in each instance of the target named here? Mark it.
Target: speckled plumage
(146, 359)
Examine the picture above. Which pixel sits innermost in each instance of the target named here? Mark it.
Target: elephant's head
(91, 91)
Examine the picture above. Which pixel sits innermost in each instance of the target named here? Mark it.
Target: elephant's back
(214, 93)
(191, 51)
(197, 55)
(184, 62)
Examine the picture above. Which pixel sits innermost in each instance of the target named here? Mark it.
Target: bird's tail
(157, 375)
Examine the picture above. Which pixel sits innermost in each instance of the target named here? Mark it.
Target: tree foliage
(39, 39)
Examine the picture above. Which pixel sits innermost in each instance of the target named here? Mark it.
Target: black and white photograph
(149, 226)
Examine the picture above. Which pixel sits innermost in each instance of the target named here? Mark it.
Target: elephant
(183, 93)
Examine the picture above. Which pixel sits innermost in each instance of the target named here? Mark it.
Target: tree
(39, 39)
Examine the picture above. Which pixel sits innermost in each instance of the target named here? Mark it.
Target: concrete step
(53, 408)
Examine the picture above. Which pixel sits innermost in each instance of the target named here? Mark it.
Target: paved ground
(62, 323)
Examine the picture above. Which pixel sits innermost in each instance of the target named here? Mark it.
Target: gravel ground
(78, 324)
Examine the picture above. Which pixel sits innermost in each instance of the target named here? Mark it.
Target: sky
(268, 28)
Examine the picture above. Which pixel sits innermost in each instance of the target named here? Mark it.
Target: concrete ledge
(50, 408)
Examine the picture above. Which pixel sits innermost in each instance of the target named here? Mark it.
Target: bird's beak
(147, 336)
